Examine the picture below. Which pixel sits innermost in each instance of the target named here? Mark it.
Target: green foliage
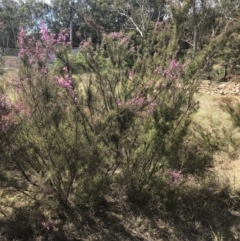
(144, 142)
(117, 116)
(230, 52)
(232, 107)
(124, 122)
(24, 223)
(17, 14)
(218, 72)
(79, 63)
(1, 64)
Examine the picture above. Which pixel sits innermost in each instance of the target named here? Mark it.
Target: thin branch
(186, 41)
(234, 19)
(124, 14)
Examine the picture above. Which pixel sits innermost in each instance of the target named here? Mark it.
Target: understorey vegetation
(114, 124)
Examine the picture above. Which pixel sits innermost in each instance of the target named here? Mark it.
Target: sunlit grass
(226, 162)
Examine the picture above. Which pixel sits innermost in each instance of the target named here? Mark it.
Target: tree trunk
(194, 28)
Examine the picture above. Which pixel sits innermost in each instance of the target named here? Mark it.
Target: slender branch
(130, 18)
(186, 41)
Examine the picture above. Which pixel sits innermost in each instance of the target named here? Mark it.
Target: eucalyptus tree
(138, 13)
(16, 14)
(31, 13)
(228, 53)
(64, 16)
(9, 19)
(84, 18)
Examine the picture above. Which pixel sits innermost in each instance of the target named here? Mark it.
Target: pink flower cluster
(159, 70)
(119, 103)
(66, 82)
(22, 53)
(151, 107)
(62, 37)
(132, 49)
(23, 108)
(7, 121)
(4, 103)
(44, 70)
(131, 73)
(136, 102)
(85, 44)
(123, 39)
(139, 103)
(174, 71)
(41, 51)
(7, 116)
(174, 177)
(117, 35)
(51, 39)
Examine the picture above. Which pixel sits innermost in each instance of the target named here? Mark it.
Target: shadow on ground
(195, 215)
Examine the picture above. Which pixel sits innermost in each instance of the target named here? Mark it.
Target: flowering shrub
(174, 71)
(66, 81)
(138, 104)
(123, 121)
(147, 126)
(42, 51)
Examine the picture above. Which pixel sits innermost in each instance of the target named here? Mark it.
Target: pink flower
(136, 102)
(132, 49)
(85, 44)
(131, 73)
(174, 71)
(66, 82)
(159, 70)
(117, 35)
(65, 68)
(174, 64)
(47, 225)
(175, 177)
(119, 102)
(44, 70)
(125, 40)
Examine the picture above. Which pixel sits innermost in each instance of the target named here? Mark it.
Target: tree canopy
(193, 23)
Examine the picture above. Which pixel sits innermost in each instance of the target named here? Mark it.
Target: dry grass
(6, 81)
(227, 171)
(227, 162)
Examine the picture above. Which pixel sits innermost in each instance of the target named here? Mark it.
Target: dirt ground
(223, 88)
